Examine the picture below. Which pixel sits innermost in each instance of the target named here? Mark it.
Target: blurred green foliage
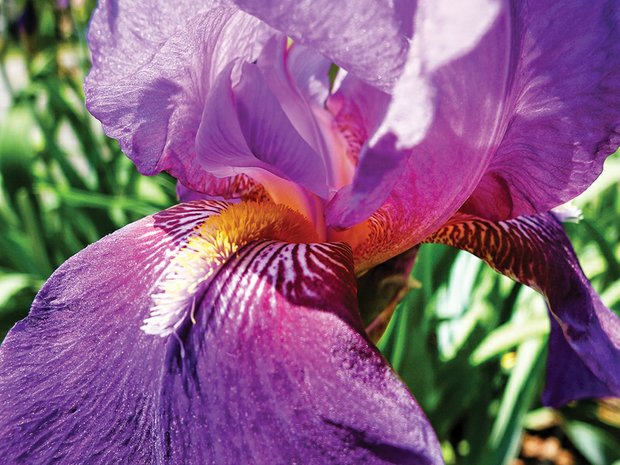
(470, 343)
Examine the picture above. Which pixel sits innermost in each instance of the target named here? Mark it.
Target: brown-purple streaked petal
(584, 345)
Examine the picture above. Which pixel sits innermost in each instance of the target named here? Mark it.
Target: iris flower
(226, 329)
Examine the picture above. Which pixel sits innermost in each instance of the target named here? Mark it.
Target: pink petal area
(357, 110)
(362, 36)
(584, 344)
(428, 129)
(234, 188)
(268, 364)
(523, 122)
(562, 116)
(360, 103)
(154, 64)
(244, 130)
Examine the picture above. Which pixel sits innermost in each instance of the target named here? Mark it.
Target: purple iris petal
(366, 37)
(285, 377)
(268, 362)
(79, 380)
(299, 78)
(153, 66)
(428, 126)
(244, 130)
(309, 70)
(523, 121)
(584, 345)
(562, 108)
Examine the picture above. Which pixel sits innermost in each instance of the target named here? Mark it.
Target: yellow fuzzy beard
(210, 245)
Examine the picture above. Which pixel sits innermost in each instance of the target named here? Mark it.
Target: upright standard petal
(584, 345)
(153, 67)
(244, 130)
(561, 118)
(427, 124)
(183, 339)
(298, 77)
(365, 37)
(519, 124)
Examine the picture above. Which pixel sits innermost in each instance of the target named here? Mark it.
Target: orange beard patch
(224, 234)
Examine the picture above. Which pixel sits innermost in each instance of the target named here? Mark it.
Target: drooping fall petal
(293, 399)
(147, 348)
(79, 379)
(154, 64)
(584, 345)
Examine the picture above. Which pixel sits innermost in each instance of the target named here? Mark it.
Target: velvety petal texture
(584, 344)
(154, 64)
(124, 360)
(298, 382)
(79, 380)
